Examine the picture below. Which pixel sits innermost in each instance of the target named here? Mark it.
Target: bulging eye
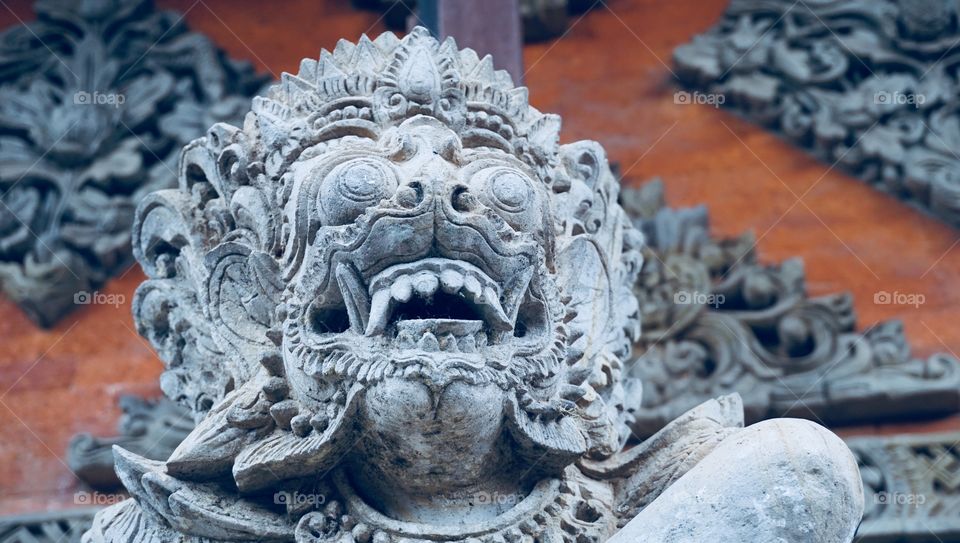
(350, 188)
(511, 193)
(510, 190)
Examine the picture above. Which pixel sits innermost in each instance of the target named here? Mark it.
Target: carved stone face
(406, 298)
(399, 270)
(427, 256)
(428, 272)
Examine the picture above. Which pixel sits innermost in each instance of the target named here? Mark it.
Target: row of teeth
(450, 276)
(430, 343)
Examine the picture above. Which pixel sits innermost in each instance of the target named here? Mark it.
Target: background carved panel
(96, 102)
(869, 85)
(53, 527)
(151, 428)
(716, 321)
(912, 487)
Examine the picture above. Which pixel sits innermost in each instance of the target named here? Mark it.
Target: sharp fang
(354, 296)
(495, 315)
(513, 296)
(379, 312)
(473, 287)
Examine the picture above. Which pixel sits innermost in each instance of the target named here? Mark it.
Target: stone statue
(400, 309)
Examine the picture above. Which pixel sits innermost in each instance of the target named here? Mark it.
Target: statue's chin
(424, 450)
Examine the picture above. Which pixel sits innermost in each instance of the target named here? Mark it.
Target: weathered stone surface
(910, 486)
(96, 100)
(803, 486)
(716, 321)
(400, 310)
(867, 85)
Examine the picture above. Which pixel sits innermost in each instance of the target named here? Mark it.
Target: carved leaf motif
(754, 331)
(209, 450)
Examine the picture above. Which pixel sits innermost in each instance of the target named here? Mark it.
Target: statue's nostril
(462, 199)
(410, 195)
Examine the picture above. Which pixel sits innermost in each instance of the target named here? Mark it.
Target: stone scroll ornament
(716, 321)
(402, 312)
(97, 99)
(867, 84)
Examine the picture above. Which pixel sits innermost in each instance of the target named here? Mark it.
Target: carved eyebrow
(474, 154)
(478, 138)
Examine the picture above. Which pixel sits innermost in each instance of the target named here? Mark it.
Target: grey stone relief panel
(53, 527)
(716, 321)
(96, 101)
(912, 488)
(869, 85)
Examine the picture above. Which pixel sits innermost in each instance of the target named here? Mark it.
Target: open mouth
(430, 305)
(437, 304)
